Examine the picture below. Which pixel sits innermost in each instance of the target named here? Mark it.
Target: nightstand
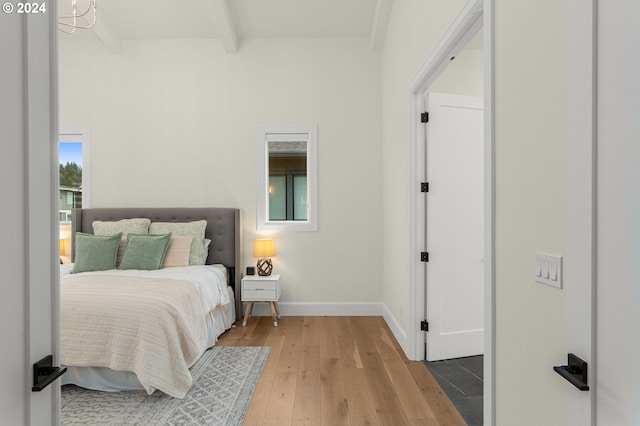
(256, 288)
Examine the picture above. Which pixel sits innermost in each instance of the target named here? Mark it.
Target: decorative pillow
(122, 247)
(194, 229)
(205, 250)
(95, 253)
(136, 225)
(178, 251)
(145, 252)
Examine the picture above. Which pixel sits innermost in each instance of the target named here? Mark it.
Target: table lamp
(263, 249)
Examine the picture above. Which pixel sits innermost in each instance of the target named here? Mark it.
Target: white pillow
(205, 250)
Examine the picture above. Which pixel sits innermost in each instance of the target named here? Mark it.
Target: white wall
(532, 115)
(414, 29)
(174, 121)
(464, 75)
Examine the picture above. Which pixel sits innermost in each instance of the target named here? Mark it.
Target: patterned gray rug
(224, 380)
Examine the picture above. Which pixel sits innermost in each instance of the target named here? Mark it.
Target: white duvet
(152, 323)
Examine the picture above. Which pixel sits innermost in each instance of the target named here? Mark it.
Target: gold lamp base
(264, 267)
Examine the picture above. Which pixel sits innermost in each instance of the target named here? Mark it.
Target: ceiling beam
(380, 24)
(224, 24)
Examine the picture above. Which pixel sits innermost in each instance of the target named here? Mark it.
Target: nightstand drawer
(249, 285)
(259, 294)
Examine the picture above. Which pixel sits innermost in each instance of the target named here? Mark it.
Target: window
(73, 154)
(287, 178)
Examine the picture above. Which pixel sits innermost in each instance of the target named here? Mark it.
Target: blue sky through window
(70, 152)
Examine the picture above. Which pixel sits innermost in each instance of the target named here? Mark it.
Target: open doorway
(454, 166)
(454, 305)
(462, 33)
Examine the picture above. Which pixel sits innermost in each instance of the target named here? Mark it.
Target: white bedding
(200, 311)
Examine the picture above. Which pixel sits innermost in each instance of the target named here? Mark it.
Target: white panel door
(617, 376)
(28, 259)
(455, 226)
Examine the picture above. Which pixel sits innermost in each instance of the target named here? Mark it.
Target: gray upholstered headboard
(224, 229)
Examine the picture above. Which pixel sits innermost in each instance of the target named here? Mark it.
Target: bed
(125, 329)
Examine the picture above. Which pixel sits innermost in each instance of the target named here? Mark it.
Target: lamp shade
(264, 248)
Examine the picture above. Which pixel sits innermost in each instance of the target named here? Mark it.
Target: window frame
(270, 133)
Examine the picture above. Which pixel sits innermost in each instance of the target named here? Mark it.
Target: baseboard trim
(317, 309)
(396, 329)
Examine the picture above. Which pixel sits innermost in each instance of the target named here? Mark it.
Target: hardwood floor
(338, 371)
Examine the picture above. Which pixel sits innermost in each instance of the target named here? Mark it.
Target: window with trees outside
(73, 149)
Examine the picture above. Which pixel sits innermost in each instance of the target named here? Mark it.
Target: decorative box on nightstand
(258, 288)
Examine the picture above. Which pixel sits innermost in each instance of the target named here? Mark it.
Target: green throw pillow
(145, 252)
(95, 253)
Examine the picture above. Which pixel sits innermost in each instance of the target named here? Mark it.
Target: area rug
(224, 378)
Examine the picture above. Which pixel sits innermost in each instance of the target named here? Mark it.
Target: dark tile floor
(461, 379)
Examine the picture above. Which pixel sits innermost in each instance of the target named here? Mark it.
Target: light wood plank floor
(339, 371)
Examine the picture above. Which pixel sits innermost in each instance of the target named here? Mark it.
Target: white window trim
(81, 133)
(283, 131)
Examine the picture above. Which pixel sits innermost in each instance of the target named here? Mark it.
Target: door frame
(580, 271)
(475, 16)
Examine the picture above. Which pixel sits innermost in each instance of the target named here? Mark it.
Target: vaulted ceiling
(233, 21)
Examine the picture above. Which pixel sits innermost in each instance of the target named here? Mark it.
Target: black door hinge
(424, 187)
(424, 117)
(424, 256)
(424, 325)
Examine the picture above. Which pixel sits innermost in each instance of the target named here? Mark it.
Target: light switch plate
(548, 269)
